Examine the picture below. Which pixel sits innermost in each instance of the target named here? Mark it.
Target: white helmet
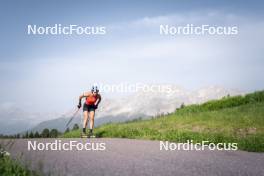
(95, 89)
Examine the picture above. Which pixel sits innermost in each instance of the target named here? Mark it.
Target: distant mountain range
(140, 104)
(14, 120)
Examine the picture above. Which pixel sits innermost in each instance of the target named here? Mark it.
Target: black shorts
(89, 108)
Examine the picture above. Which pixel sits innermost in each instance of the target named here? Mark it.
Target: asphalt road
(134, 157)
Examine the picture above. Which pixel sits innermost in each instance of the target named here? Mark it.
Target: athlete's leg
(85, 120)
(91, 118)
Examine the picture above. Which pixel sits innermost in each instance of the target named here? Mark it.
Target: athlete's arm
(99, 100)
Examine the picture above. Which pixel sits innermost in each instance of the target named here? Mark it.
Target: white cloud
(195, 17)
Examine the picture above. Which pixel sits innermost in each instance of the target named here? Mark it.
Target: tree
(54, 133)
(31, 135)
(182, 105)
(36, 135)
(75, 126)
(67, 130)
(45, 133)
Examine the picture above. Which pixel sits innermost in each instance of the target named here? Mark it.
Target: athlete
(92, 101)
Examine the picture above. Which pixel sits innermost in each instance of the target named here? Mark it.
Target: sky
(47, 73)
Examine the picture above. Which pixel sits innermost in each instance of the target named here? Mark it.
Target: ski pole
(74, 114)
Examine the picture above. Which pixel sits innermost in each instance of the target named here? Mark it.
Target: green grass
(237, 119)
(9, 167)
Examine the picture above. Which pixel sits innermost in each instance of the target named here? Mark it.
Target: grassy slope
(235, 119)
